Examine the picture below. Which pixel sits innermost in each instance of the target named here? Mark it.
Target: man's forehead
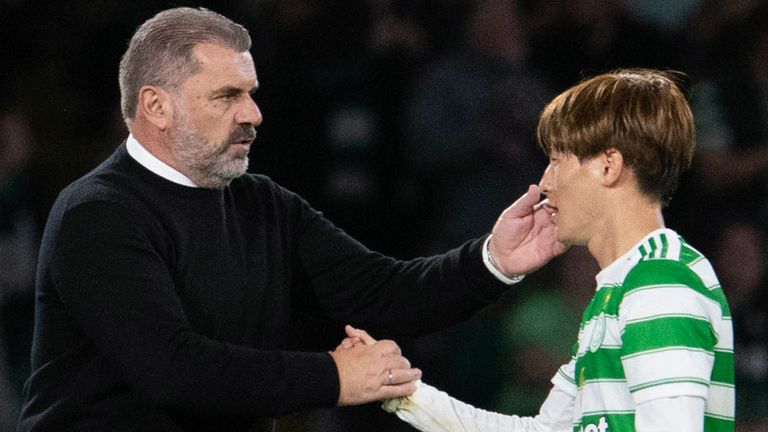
(223, 66)
(215, 50)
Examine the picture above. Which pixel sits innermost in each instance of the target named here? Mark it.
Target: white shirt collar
(150, 162)
(616, 271)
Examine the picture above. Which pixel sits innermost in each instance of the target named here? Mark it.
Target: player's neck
(625, 224)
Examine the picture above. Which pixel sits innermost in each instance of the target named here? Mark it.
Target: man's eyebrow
(225, 91)
(231, 91)
(228, 91)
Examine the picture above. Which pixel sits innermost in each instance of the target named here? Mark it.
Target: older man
(168, 276)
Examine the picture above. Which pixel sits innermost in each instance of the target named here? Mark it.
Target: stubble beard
(210, 165)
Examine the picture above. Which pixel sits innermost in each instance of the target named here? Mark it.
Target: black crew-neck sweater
(165, 307)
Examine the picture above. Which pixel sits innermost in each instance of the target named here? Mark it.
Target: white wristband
(488, 261)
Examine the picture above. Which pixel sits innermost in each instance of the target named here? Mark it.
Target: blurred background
(410, 124)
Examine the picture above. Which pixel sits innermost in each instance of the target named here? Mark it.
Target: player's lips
(551, 209)
(548, 207)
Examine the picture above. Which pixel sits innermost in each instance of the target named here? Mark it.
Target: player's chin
(562, 237)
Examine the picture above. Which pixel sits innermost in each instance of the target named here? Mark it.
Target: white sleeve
(678, 414)
(431, 410)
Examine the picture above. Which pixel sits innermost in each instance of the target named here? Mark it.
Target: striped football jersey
(658, 326)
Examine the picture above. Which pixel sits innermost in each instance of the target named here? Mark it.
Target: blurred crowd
(410, 123)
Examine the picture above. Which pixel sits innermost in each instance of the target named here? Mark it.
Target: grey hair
(160, 52)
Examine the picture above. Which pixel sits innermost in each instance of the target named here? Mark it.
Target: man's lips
(244, 137)
(245, 141)
(241, 146)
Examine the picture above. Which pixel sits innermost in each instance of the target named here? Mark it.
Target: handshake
(371, 370)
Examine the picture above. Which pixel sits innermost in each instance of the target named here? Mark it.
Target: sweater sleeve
(107, 271)
(393, 297)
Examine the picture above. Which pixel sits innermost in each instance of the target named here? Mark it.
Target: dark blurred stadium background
(410, 123)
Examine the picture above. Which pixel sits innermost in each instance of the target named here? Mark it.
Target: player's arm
(432, 410)
(670, 375)
(678, 414)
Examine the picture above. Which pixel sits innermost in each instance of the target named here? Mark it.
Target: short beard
(209, 164)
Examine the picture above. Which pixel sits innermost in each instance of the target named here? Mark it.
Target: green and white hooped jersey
(658, 326)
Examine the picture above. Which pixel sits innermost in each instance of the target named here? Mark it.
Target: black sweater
(163, 307)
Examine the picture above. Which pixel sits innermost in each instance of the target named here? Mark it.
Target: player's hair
(640, 112)
(160, 52)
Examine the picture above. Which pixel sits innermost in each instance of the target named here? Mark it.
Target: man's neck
(624, 225)
(138, 151)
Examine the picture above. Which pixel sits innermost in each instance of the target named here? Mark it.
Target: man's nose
(249, 113)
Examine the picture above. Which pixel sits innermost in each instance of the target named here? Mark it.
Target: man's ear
(155, 105)
(612, 165)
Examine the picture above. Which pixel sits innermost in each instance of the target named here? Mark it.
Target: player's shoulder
(666, 259)
(666, 272)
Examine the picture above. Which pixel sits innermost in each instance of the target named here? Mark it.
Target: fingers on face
(523, 205)
(543, 216)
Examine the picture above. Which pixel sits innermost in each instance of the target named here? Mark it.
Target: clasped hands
(371, 370)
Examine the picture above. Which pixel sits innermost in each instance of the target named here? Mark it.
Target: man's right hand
(524, 236)
(373, 370)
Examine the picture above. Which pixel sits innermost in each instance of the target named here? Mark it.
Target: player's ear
(156, 106)
(611, 166)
